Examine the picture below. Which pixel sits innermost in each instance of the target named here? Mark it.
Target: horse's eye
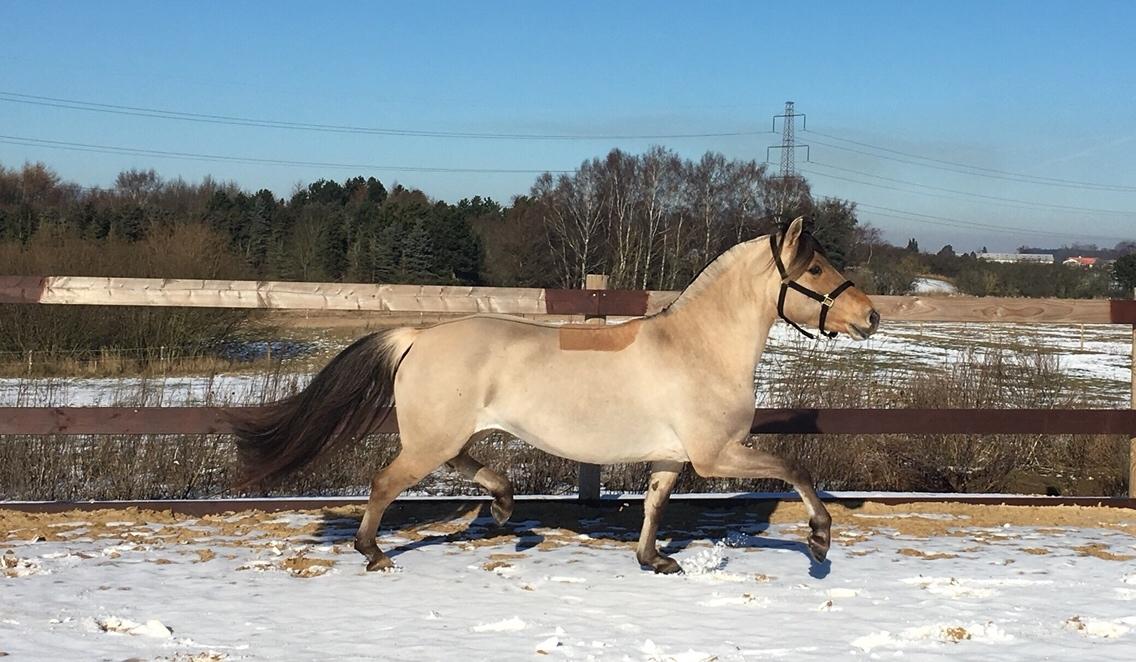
(814, 270)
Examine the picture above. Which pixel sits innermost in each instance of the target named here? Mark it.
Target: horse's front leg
(737, 460)
(664, 475)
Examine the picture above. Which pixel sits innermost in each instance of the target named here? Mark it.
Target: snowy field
(1096, 357)
(924, 582)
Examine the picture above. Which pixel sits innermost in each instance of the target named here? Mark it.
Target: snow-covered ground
(917, 582)
(1098, 356)
(926, 285)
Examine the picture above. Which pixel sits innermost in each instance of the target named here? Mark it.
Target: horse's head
(811, 291)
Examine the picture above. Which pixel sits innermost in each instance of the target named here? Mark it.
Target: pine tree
(416, 263)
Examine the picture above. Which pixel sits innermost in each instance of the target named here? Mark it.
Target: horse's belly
(588, 441)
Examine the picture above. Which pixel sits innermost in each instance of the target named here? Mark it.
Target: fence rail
(589, 303)
(279, 295)
(214, 420)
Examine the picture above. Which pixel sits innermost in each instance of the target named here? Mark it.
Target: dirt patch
(204, 555)
(1102, 551)
(956, 634)
(931, 556)
(1036, 551)
(304, 566)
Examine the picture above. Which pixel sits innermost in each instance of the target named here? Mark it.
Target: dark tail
(347, 399)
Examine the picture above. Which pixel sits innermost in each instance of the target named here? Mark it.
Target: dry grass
(75, 468)
(55, 334)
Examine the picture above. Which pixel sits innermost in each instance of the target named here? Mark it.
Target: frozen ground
(918, 582)
(1097, 357)
(924, 285)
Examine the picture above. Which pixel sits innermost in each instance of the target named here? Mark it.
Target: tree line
(649, 221)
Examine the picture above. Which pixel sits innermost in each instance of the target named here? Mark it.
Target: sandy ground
(926, 581)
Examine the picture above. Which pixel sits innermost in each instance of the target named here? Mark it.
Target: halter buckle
(827, 301)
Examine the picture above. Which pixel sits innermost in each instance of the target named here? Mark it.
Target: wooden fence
(595, 303)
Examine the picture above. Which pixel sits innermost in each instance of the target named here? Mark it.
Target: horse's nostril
(874, 319)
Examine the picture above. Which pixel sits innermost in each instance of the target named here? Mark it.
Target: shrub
(55, 332)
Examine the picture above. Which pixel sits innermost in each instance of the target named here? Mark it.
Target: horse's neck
(726, 320)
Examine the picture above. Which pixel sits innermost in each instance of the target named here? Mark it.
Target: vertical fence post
(1132, 440)
(590, 473)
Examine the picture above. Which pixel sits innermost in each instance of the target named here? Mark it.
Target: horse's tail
(346, 400)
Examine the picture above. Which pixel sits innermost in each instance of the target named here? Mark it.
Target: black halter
(826, 300)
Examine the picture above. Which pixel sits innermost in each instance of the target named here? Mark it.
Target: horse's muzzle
(861, 332)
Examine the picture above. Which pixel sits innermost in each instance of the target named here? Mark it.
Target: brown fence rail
(214, 420)
(595, 303)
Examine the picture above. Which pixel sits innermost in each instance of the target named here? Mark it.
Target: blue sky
(1039, 88)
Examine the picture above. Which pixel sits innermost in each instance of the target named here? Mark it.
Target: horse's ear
(793, 234)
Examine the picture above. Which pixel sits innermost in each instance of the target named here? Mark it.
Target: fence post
(1132, 403)
(590, 473)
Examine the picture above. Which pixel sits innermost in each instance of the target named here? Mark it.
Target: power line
(191, 156)
(932, 219)
(232, 120)
(968, 169)
(1017, 202)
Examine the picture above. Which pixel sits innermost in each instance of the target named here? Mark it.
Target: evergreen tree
(416, 263)
(129, 224)
(1124, 271)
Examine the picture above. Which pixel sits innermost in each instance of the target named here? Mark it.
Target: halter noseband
(826, 300)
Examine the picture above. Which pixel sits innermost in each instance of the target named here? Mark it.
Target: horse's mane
(807, 248)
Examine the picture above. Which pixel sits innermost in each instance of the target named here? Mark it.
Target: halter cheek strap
(826, 300)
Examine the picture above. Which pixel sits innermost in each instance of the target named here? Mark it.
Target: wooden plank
(1132, 440)
(463, 300)
(213, 420)
(594, 302)
(1123, 311)
(127, 420)
(588, 475)
(417, 508)
(944, 421)
(78, 290)
(993, 309)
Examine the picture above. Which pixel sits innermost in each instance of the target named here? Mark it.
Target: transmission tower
(788, 147)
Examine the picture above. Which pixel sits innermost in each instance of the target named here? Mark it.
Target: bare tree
(575, 219)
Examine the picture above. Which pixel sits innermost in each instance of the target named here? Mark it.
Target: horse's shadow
(611, 522)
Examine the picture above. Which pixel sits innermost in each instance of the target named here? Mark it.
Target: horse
(672, 388)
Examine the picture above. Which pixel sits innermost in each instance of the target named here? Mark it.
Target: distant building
(1008, 258)
(1080, 261)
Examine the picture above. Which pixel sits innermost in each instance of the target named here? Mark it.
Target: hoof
(818, 547)
(663, 565)
(820, 539)
(383, 562)
(501, 509)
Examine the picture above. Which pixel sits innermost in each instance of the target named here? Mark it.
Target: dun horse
(672, 388)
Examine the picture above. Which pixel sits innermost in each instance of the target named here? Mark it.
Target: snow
(926, 285)
(207, 589)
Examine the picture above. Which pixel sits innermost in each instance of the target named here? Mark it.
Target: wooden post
(1132, 440)
(590, 473)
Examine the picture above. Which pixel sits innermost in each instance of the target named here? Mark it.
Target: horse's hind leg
(404, 471)
(664, 475)
(496, 484)
(740, 461)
